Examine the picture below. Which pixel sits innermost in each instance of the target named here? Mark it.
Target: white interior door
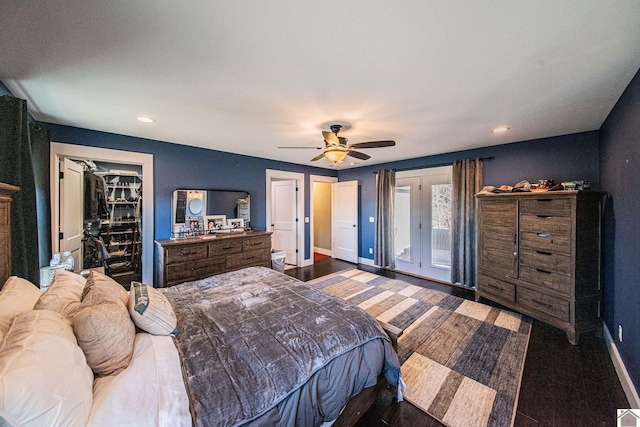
(71, 210)
(345, 220)
(283, 218)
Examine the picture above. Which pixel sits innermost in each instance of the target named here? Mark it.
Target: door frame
(60, 150)
(313, 179)
(277, 175)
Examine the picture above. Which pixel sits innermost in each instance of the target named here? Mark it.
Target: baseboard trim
(625, 380)
(366, 261)
(322, 251)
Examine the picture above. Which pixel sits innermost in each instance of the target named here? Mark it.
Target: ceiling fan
(336, 147)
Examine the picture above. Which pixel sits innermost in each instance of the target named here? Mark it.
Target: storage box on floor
(278, 260)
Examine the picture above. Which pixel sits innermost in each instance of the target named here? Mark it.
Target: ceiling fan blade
(318, 157)
(373, 144)
(313, 148)
(358, 155)
(330, 137)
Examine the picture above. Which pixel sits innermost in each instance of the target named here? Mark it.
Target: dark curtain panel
(467, 181)
(16, 168)
(40, 156)
(384, 255)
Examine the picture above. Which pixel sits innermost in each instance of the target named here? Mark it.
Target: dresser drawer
(186, 253)
(225, 247)
(546, 206)
(178, 273)
(256, 244)
(558, 281)
(548, 305)
(556, 225)
(248, 259)
(498, 290)
(547, 261)
(546, 241)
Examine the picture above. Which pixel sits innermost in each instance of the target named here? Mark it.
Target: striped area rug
(462, 361)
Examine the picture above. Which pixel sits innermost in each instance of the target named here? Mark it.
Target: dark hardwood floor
(562, 385)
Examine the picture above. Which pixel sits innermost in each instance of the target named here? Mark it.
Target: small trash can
(277, 260)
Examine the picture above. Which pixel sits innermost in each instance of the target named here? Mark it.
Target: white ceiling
(249, 76)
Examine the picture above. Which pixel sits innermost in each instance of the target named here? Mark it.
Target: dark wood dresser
(192, 258)
(540, 254)
(6, 190)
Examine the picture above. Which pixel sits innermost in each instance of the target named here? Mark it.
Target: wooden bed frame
(355, 408)
(6, 190)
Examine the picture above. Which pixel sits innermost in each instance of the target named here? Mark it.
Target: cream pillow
(63, 294)
(151, 311)
(17, 296)
(44, 377)
(103, 327)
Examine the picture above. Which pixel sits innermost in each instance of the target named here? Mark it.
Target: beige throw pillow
(63, 294)
(151, 311)
(103, 327)
(44, 377)
(17, 296)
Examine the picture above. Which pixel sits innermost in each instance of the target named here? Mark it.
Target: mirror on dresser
(196, 211)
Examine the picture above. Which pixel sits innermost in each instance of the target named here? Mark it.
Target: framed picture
(195, 223)
(215, 222)
(235, 223)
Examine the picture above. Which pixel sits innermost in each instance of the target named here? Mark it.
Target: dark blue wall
(562, 158)
(179, 166)
(4, 90)
(620, 175)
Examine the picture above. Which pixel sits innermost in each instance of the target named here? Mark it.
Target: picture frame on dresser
(215, 222)
(235, 223)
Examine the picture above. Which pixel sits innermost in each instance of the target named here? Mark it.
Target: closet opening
(99, 213)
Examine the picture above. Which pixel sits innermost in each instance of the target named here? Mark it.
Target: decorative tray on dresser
(539, 253)
(191, 258)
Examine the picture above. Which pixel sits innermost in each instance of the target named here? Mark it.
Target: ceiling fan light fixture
(335, 155)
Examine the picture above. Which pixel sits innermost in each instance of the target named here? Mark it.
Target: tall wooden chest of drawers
(539, 253)
(192, 258)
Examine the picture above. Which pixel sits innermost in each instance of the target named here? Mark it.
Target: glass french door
(422, 238)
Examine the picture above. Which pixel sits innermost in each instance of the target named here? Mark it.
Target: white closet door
(345, 220)
(71, 210)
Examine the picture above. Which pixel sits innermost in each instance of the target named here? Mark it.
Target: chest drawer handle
(544, 216)
(543, 253)
(544, 234)
(543, 271)
(495, 287)
(541, 303)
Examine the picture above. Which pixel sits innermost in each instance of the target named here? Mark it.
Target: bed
(251, 347)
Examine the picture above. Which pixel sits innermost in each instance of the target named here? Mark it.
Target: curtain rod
(436, 165)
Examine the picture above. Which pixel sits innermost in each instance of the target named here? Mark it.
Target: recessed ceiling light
(145, 119)
(500, 129)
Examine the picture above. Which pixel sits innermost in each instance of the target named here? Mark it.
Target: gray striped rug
(462, 361)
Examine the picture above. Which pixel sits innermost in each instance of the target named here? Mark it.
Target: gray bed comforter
(262, 348)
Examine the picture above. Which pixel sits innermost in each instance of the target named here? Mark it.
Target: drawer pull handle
(495, 287)
(543, 253)
(541, 303)
(544, 216)
(543, 271)
(544, 200)
(544, 234)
